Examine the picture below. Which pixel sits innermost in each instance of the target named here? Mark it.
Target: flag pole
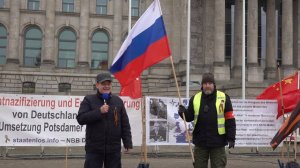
(296, 139)
(298, 80)
(280, 89)
(144, 130)
(129, 15)
(144, 145)
(66, 157)
(282, 106)
(295, 146)
(179, 97)
(243, 53)
(188, 52)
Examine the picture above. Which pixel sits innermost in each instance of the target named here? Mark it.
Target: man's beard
(207, 92)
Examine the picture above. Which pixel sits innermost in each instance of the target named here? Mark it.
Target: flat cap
(103, 77)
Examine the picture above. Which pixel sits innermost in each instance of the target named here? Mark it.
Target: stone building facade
(58, 46)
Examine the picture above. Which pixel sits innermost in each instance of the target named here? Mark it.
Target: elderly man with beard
(212, 113)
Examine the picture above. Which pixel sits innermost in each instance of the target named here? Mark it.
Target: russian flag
(145, 45)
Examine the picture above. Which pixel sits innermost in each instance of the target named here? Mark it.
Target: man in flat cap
(106, 123)
(212, 113)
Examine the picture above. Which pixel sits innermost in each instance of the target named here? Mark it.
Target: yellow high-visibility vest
(220, 105)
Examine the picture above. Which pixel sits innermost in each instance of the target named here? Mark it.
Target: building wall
(157, 80)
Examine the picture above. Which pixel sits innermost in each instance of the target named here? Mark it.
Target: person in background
(106, 123)
(215, 127)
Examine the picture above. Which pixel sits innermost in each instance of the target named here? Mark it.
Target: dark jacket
(205, 133)
(104, 131)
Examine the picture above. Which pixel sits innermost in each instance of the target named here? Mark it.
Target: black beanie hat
(208, 77)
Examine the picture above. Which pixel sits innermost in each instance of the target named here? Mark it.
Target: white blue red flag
(145, 45)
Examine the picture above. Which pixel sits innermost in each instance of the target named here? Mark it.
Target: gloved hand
(231, 144)
(181, 109)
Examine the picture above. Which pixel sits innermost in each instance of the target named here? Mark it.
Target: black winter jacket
(205, 133)
(104, 131)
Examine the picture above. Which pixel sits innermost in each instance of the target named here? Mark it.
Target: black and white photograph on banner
(158, 109)
(158, 131)
(174, 126)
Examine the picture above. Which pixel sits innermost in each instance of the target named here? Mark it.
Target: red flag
(290, 101)
(290, 124)
(133, 89)
(273, 92)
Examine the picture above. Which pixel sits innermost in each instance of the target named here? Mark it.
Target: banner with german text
(48, 120)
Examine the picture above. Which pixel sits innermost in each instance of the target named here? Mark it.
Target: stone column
(208, 35)
(48, 62)
(221, 71)
(287, 37)
(12, 60)
(255, 73)
(117, 29)
(238, 21)
(83, 61)
(270, 70)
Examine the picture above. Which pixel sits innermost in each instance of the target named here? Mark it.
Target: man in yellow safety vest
(214, 123)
